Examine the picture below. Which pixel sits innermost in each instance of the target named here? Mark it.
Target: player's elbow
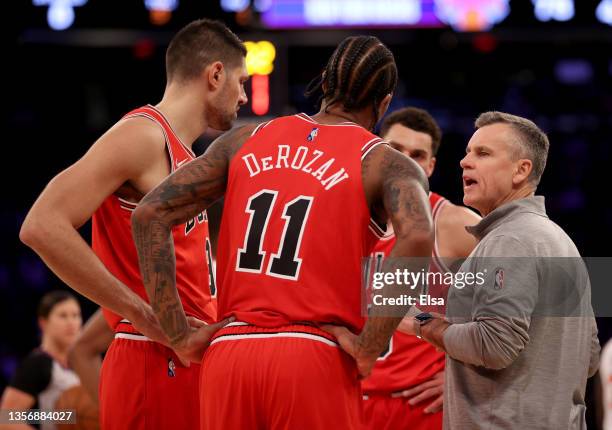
(145, 213)
(32, 231)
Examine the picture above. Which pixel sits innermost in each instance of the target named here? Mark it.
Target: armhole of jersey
(163, 129)
(379, 230)
(260, 127)
(370, 145)
(376, 228)
(436, 251)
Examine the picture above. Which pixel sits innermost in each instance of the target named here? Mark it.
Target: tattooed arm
(397, 187)
(183, 195)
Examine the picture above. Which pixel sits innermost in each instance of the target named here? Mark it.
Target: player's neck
(55, 350)
(184, 112)
(335, 114)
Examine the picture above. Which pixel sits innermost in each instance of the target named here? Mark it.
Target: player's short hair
(360, 73)
(50, 300)
(199, 44)
(417, 120)
(531, 140)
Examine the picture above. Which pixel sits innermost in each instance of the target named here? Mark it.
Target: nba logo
(313, 133)
(499, 279)
(171, 368)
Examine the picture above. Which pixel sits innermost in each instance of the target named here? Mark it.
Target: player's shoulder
(136, 138)
(456, 215)
(141, 126)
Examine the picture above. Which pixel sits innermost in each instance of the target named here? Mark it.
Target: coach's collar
(533, 204)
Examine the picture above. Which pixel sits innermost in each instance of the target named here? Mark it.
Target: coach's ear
(215, 75)
(522, 171)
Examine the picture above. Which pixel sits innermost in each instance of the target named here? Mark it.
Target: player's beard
(220, 116)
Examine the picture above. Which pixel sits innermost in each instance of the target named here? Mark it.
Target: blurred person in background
(44, 374)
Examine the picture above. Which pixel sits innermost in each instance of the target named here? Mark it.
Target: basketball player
(405, 389)
(300, 194)
(143, 384)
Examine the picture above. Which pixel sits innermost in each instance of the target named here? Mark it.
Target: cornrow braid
(360, 72)
(352, 58)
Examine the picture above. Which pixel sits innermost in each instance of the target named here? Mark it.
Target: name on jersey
(311, 161)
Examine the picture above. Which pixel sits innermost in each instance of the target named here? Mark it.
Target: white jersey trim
(374, 145)
(229, 337)
(188, 149)
(307, 118)
(436, 249)
(236, 323)
(260, 127)
(131, 336)
(156, 121)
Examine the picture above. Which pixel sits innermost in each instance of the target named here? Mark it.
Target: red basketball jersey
(295, 225)
(409, 360)
(112, 239)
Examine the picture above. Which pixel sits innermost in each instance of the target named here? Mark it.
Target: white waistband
(242, 336)
(132, 336)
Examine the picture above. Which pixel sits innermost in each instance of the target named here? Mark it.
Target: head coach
(522, 342)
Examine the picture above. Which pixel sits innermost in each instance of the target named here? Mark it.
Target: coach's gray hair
(533, 142)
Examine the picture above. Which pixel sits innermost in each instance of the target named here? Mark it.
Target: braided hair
(360, 73)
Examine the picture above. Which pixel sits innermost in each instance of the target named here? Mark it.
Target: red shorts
(143, 385)
(383, 412)
(293, 377)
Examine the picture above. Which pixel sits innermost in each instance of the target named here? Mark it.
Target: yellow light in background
(260, 57)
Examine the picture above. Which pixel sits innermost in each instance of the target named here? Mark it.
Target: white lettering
(265, 163)
(307, 168)
(321, 170)
(334, 179)
(283, 154)
(251, 170)
(304, 151)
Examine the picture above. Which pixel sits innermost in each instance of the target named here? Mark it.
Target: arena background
(548, 60)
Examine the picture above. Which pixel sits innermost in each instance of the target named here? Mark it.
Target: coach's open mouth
(468, 182)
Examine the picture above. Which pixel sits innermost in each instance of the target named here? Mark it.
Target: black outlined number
(285, 263)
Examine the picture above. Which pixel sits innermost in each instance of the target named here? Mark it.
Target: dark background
(62, 89)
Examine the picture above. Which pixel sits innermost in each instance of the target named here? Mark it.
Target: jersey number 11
(284, 263)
